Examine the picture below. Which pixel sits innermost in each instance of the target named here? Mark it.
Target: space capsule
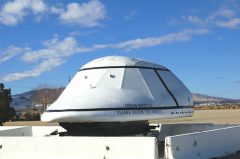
(121, 89)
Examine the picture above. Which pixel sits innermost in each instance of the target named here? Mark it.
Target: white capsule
(120, 89)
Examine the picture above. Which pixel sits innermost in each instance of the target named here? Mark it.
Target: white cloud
(195, 20)
(184, 35)
(57, 51)
(232, 23)
(222, 17)
(13, 12)
(41, 68)
(222, 12)
(54, 49)
(38, 6)
(53, 55)
(87, 14)
(56, 10)
(11, 52)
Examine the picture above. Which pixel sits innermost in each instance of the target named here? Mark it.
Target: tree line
(6, 112)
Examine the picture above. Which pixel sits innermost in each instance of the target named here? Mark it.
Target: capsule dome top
(109, 61)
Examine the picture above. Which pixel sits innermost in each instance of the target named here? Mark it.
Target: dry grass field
(215, 116)
(29, 123)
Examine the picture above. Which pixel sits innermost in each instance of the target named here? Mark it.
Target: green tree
(6, 112)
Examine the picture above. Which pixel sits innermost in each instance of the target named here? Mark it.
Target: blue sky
(45, 42)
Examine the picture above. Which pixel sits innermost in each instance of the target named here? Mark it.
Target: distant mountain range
(24, 100)
(202, 98)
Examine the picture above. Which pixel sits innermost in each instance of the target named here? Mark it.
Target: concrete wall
(45, 130)
(78, 147)
(29, 130)
(201, 145)
(176, 129)
(15, 131)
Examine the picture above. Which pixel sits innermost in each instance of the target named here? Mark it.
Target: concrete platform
(168, 141)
